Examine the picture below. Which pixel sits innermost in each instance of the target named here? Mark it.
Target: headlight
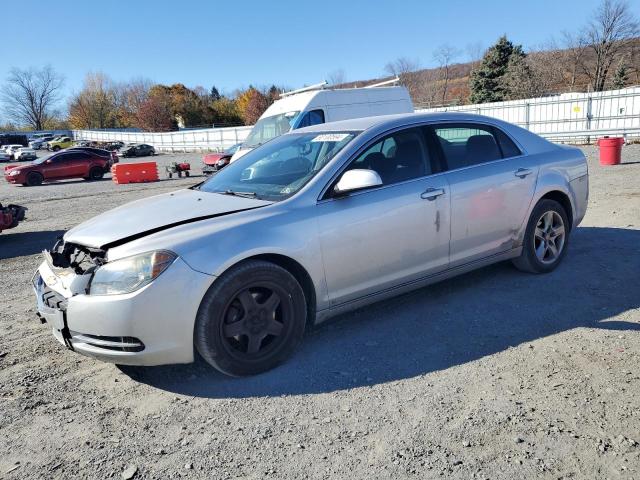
(129, 274)
(13, 173)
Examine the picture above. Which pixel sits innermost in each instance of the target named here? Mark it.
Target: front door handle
(522, 172)
(432, 193)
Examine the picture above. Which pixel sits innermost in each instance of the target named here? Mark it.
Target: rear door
(492, 184)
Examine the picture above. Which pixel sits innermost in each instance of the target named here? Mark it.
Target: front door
(386, 236)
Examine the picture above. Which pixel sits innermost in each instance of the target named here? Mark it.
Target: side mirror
(357, 179)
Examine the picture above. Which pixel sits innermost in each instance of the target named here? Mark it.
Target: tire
(96, 173)
(55, 148)
(34, 179)
(236, 316)
(186, 173)
(546, 238)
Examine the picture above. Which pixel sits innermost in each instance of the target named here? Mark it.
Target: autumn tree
(30, 96)
(154, 115)
(251, 104)
(95, 106)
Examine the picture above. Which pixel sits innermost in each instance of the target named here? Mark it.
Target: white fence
(570, 117)
(207, 139)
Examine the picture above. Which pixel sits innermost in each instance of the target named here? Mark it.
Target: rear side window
(509, 149)
(465, 145)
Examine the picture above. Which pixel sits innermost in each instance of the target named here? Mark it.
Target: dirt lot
(495, 374)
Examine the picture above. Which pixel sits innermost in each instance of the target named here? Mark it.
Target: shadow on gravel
(441, 326)
(20, 244)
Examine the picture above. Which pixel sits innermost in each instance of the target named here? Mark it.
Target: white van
(304, 107)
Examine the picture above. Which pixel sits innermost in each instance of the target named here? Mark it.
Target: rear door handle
(522, 172)
(432, 193)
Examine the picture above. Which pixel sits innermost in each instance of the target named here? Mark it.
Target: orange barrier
(122, 173)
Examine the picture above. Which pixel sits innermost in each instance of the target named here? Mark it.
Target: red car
(217, 161)
(67, 164)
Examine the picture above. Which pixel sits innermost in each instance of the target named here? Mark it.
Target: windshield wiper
(240, 194)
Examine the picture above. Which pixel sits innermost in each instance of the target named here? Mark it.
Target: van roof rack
(317, 86)
(386, 82)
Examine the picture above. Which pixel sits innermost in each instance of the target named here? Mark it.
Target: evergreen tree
(519, 80)
(487, 81)
(620, 77)
(215, 94)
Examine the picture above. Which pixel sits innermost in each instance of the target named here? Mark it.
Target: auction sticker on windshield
(330, 137)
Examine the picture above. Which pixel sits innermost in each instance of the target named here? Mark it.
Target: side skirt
(327, 313)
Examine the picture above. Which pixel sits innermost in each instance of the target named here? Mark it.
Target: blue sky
(234, 43)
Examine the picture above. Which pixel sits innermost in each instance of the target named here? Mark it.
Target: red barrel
(610, 150)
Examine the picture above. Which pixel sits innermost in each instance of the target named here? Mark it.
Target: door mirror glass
(357, 179)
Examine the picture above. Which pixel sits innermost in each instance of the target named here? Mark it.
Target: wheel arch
(292, 266)
(563, 199)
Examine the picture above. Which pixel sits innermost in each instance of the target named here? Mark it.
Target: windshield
(270, 127)
(280, 168)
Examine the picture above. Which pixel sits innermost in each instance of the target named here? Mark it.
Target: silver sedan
(311, 224)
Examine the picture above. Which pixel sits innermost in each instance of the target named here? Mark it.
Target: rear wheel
(251, 319)
(96, 173)
(546, 238)
(34, 178)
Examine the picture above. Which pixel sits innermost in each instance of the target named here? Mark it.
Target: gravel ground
(494, 374)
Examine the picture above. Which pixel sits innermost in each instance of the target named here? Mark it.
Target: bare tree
(405, 69)
(337, 77)
(608, 36)
(475, 52)
(444, 55)
(30, 96)
(574, 53)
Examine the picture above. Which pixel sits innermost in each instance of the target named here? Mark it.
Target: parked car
(313, 105)
(112, 146)
(10, 138)
(63, 165)
(59, 143)
(314, 223)
(39, 142)
(12, 149)
(24, 153)
(216, 161)
(5, 157)
(112, 156)
(137, 150)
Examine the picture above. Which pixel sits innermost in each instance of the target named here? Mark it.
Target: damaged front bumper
(151, 326)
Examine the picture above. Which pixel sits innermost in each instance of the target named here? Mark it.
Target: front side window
(465, 145)
(279, 169)
(396, 158)
(268, 128)
(313, 117)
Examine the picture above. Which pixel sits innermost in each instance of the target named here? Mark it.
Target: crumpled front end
(150, 326)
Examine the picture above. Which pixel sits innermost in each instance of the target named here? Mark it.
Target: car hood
(150, 215)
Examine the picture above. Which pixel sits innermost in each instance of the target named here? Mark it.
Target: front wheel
(55, 149)
(546, 238)
(34, 178)
(251, 319)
